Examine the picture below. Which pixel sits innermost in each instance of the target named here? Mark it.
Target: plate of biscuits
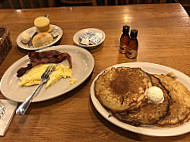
(42, 35)
(144, 98)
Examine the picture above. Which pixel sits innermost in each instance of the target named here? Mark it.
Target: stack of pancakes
(122, 91)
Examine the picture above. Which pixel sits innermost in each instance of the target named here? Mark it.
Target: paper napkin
(5, 120)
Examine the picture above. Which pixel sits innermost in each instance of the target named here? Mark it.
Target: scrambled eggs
(34, 75)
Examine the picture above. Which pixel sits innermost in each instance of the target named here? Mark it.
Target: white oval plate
(152, 130)
(82, 62)
(31, 31)
(77, 35)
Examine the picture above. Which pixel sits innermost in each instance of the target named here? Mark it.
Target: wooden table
(163, 39)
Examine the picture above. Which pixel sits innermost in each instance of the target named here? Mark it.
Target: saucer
(83, 31)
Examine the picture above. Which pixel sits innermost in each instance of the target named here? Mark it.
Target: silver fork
(44, 78)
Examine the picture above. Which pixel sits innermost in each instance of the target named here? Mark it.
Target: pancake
(177, 90)
(179, 110)
(148, 113)
(122, 88)
(177, 115)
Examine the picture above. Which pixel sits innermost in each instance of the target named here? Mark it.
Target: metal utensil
(2, 110)
(46, 15)
(44, 78)
(30, 41)
(55, 32)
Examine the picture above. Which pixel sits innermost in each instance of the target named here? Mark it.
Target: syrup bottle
(124, 40)
(132, 48)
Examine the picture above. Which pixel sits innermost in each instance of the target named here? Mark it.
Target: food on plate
(51, 29)
(61, 71)
(31, 75)
(165, 102)
(177, 90)
(177, 115)
(122, 88)
(84, 41)
(42, 24)
(148, 113)
(42, 39)
(72, 81)
(34, 75)
(43, 35)
(44, 57)
(154, 95)
(90, 38)
(179, 111)
(25, 37)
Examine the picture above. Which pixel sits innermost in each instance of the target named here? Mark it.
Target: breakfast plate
(148, 130)
(82, 62)
(31, 31)
(77, 35)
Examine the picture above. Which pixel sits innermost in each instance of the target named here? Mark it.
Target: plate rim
(6, 73)
(125, 126)
(39, 48)
(89, 46)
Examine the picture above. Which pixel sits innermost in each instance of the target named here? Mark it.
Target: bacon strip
(51, 56)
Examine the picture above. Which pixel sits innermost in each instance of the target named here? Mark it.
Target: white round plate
(82, 62)
(31, 31)
(77, 35)
(152, 130)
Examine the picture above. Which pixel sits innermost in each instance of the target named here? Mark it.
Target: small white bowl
(79, 33)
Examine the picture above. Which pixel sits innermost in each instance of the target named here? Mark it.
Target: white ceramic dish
(82, 62)
(77, 35)
(31, 31)
(151, 131)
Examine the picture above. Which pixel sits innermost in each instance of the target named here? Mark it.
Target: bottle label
(130, 53)
(122, 49)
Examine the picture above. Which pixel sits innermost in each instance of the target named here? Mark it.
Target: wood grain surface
(164, 38)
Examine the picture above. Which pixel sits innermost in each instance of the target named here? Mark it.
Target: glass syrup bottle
(132, 48)
(124, 39)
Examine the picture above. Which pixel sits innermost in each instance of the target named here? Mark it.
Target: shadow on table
(96, 49)
(132, 135)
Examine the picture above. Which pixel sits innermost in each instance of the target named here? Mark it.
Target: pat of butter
(25, 38)
(85, 41)
(154, 95)
(98, 35)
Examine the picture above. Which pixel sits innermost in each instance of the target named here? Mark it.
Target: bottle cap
(126, 29)
(134, 33)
